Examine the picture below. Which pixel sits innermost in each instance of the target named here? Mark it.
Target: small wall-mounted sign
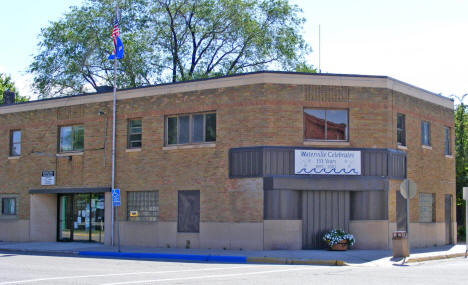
(133, 213)
(48, 177)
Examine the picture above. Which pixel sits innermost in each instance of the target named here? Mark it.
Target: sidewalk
(320, 257)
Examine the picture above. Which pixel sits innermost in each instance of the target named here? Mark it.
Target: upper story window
(425, 133)
(134, 131)
(15, 143)
(324, 124)
(447, 149)
(401, 130)
(191, 128)
(71, 138)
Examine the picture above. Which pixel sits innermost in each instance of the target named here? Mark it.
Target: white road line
(206, 276)
(128, 273)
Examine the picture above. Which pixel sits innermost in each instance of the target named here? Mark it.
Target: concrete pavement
(322, 257)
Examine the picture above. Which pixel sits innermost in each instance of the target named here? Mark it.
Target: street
(35, 269)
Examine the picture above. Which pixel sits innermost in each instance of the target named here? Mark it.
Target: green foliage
(6, 83)
(306, 68)
(461, 233)
(167, 40)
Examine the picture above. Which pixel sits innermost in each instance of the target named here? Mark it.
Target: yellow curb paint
(435, 257)
(275, 260)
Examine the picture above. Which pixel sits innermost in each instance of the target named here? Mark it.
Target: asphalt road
(35, 269)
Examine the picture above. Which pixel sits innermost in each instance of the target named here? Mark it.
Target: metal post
(407, 212)
(113, 134)
(466, 225)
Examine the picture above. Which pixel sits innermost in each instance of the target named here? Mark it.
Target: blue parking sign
(115, 197)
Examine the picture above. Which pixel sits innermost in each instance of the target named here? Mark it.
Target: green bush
(461, 234)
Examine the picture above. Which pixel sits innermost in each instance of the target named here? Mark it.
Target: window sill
(403, 147)
(189, 146)
(427, 147)
(324, 143)
(8, 217)
(63, 154)
(448, 156)
(14, 157)
(132, 149)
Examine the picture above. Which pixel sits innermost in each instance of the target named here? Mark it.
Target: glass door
(81, 217)
(65, 220)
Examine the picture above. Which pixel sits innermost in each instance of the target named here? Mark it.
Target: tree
(461, 146)
(6, 83)
(166, 40)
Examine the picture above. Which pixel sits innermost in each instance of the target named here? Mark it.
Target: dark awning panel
(70, 190)
(353, 183)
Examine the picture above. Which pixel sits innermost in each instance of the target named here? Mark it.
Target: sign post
(465, 197)
(116, 203)
(408, 190)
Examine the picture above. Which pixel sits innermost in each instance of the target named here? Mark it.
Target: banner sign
(327, 162)
(48, 178)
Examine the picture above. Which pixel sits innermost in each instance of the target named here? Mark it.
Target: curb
(166, 256)
(213, 258)
(276, 260)
(435, 257)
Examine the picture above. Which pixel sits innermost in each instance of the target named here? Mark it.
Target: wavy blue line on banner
(324, 171)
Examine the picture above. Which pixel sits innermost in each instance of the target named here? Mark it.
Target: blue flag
(118, 50)
(118, 45)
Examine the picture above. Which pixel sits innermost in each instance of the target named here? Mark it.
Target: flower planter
(341, 246)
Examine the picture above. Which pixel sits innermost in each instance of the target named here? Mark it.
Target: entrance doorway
(81, 217)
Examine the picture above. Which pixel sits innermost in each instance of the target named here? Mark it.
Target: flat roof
(258, 77)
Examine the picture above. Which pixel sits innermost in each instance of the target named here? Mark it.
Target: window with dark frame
(143, 206)
(447, 149)
(15, 143)
(425, 133)
(71, 138)
(8, 206)
(191, 128)
(134, 133)
(326, 124)
(401, 130)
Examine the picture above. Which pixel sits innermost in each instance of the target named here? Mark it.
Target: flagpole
(113, 135)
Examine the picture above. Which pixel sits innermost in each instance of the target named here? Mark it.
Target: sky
(424, 43)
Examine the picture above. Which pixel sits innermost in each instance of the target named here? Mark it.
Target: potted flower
(337, 239)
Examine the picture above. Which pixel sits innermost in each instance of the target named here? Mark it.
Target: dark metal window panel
(400, 212)
(369, 205)
(448, 219)
(15, 143)
(401, 130)
(145, 203)
(71, 138)
(188, 211)
(282, 205)
(134, 133)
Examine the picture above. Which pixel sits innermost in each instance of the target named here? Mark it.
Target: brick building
(266, 160)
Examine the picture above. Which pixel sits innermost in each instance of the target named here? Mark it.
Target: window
(329, 125)
(447, 150)
(426, 208)
(193, 128)
(15, 143)
(9, 206)
(425, 133)
(188, 211)
(401, 132)
(71, 138)
(143, 206)
(134, 133)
